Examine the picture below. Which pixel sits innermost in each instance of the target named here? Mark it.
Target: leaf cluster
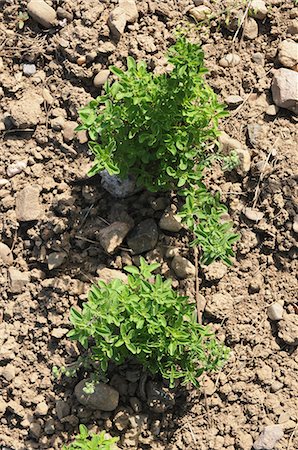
(204, 215)
(90, 441)
(155, 127)
(149, 321)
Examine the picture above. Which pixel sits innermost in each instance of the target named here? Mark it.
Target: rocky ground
(56, 225)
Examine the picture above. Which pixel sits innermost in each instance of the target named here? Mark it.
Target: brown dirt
(259, 384)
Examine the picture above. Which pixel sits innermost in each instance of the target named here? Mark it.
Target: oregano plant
(161, 129)
(147, 320)
(91, 441)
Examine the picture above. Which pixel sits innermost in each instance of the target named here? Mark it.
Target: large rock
(5, 255)
(288, 329)
(27, 204)
(112, 236)
(26, 112)
(285, 89)
(269, 438)
(130, 9)
(288, 53)
(104, 397)
(144, 237)
(42, 13)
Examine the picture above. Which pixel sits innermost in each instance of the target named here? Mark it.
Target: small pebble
(229, 60)
(258, 58)
(58, 333)
(251, 29)
(101, 78)
(275, 311)
(56, 259)
(41, 409)
(269, 438)
(258, 9)
(253, 214)
(295, 224)
(16, 168)
(29, 69)
(272, 110)
(234, 100)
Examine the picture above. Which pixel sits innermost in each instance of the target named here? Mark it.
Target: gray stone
(288, 53)
(170, 221)
(258, 9)
(234, 100)
(293, 28)
(42, 13)
(182, 267)
(112, 236)
(254, 133)
(29, 69)
(117, 22)
(56, 259)
(5, 254)
(275, 311)
(117, 187)
(101, 78)
(288, 329)
(104, 397)
(130, 9)
(269, 438)
(27, 204)
(18, 280)
(62, 409)
(144, 237)
(285, 89)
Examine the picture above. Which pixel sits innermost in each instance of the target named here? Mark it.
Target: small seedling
(89, 441)
(22, 17)
(148, 321)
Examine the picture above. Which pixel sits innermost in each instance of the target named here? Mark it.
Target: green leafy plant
(90, 441)
(147, 320)
(159, 128)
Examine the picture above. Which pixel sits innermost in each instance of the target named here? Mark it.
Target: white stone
(275, 311)
(16, 168)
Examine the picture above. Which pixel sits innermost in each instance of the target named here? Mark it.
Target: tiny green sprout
(90, 441)
(22, 17)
